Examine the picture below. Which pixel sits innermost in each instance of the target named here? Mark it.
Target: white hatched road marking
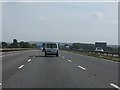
(63, 57)
(115, 86)
(81, 67)
(69, 60)
(21, 66)
(29, 60)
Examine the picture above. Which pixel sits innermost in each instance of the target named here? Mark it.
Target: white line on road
(29, 60)
(18, 52)
(81, 67)
(21, 66)
(9, 54)
(115, 86)
(63, 57)
(69, 60)
(0, 84)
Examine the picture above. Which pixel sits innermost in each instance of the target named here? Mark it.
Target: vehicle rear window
(54, 46)
(51, 46)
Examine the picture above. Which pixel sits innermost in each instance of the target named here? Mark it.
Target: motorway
(30, 69)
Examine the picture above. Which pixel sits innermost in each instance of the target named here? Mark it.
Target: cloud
(98, 15)
(43, 18)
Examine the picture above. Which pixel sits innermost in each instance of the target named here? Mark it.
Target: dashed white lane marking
(0, 84)
(29, 60)
(115, 86)
(81, 67)
(63, 57)
(21, 66)
(69, 60)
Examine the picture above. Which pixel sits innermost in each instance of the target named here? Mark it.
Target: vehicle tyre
(57, 54)
(45, 54)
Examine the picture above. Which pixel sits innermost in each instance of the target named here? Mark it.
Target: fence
(107, 53)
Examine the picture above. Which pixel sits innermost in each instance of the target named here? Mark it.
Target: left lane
(11, 62)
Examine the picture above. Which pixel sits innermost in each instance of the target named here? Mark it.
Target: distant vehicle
(99, 49)
(41, 48)
(51, 49)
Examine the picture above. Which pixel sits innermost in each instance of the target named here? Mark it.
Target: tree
(4, 45)
(27, 45)
(24, 44)
(15, 43)
(21, 44)
(34, 46)
(76, 46)
(109, 49)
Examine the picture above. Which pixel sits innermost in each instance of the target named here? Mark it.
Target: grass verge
(93, 54)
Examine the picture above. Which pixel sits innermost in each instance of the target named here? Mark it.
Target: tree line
(87, 47)
(16, 44)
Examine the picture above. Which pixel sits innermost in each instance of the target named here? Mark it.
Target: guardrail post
(119, 55)
(112, 54)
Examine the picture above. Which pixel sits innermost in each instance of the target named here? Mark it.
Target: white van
(99, 49)
(51, 49)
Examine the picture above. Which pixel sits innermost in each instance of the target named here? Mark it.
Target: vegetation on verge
(16, 44)
(85, 48)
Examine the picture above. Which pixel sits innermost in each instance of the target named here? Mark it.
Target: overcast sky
(62, 22)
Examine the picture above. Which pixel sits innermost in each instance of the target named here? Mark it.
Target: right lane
(102, 69)
(58, 72)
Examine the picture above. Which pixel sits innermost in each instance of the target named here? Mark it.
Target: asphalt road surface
(30, 69)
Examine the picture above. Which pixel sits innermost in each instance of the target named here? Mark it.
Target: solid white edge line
(29, 60)
(69, 60)
(115, 86)
(81, 67)
(9, 54)
(64, 1)
(2, 55)
(21, 66)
